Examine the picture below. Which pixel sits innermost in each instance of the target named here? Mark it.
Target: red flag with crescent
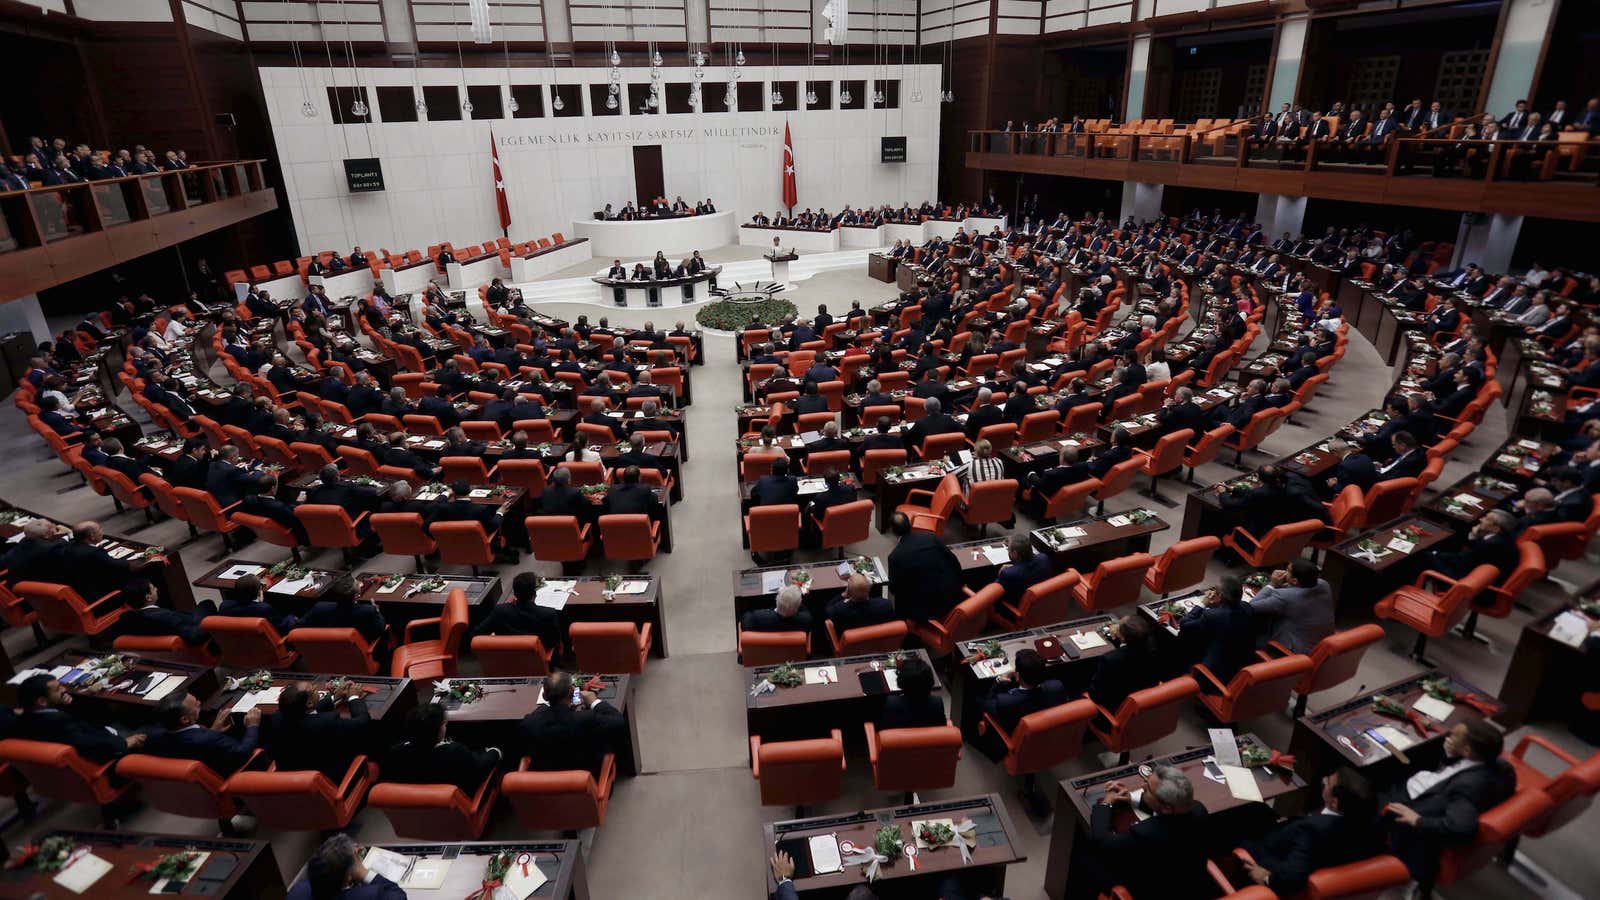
(790, 197)
(500, 200)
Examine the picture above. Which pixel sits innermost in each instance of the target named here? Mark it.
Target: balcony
(1558, 180)
(51, 235)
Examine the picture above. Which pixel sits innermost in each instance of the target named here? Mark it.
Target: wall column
(24, 314)
(1138, 68)
(1290, 216)
(1527, 26)
(1141, 200)
(1488, 242)
(1286, 66)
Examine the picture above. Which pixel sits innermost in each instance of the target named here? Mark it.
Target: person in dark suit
(1341, 832)
(1120, 451)
(49, 415)
(245, 600)
(1437, 808)
(46, 717)
(1354, 468)
(439, 406)
(913, 705)
(1027, 689)
(119, 461)
(985, 414)
(571, 729)
(335, 872)
(858, 607)
(225, 477)
(1219, 631)
(338, 609)
(633, 454)
(1407, 461)
(934, 421)
(1132, 666)
(261, 499)
(1180, 412)
(522, 616)
(1176, 834)
(146, 617)
(1043, 485)
(87, 568)
(788, 614)
(307, 734)
(1281, 497)
(364, 396)
(184, 738)
(630, 497)
(1573, 501)
(332, 490)
(1026, 569)
(560, 498)
(882, 437)
(924, 575)
(776, 488)
(426, 755)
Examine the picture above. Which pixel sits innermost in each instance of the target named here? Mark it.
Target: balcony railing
(39, 217)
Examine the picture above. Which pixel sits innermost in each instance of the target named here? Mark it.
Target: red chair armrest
(1432, 575)
(989, 722)
(755, 756)
(1552, 749)
(1201, 670)
(111, 596)
(435, 621)
(1239, 533)
(1275, 649)
(872, 741)
(524, 764)
(357, 766)
(914, 493)
(357, 519)
(1218, 877)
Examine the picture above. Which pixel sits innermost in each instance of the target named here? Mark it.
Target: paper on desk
(1224, 746)
(825, 857)
(120, 552)
(252, 699)
(892, 678)
(1434, 708)
(822, 674)
(812, 486)
(772, 582)
(521, 880)
(1241, 782)
(388, 863)
(1088, 640)
(295, 586)
(991, 668)
(25, 674)
(1118, 521)
(1570, 628)
(1401, 545)
(997, 555)
(1071, 532)
(554, 594)
(236, 572)
(82, 872)
(637, 586)
(428, 874)
(1468, 499)
(167, 685)
(1394, 736)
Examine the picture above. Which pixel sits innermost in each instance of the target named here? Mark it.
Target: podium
(780, 260)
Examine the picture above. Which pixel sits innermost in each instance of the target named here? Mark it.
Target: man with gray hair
(1355, 467)
(1492, 541)
(560, 498)
(934, 421)
(789, 614)
(1176, 835)
(875, 395)
(1179, 411)
(984, 413)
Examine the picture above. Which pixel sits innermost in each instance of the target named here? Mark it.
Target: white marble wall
(438, 175)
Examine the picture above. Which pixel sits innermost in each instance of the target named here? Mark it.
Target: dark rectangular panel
(648, 180)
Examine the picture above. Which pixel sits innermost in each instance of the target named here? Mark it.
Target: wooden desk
(150, 561)
(387, 699)
(1546, 676)
(1462, 504)
(115, 703)
(560, 861)
(893, 490)
(758, 588)
(1024, 459)
(589, 603)
(492, 720)
(1319, 747)
(1103, 538)
(398, 605)
(1520, 459)
(235, 870)
(1076, 797)
(881, 266)
(1073, 672)
(1359, 582)
(811, 710)
(998, 847)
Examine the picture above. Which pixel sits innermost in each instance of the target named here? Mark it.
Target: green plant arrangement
(592, 490)
(1174, 609)
(287, 570)
(462, 692)
(177, 867)
(1255, 755)
(391, 582)
(49, 855)
(936, 834)
(727, 315)
(786, 675)
(888, 842)
(1590, 608)
(893, 660)
(1258, 580)
(613, 582)
(494, 874)
(259, 680)
(991, 650)
(1384, 706)
(431, 585)
(1140, 516)
(102, 671)
(863, 565)
(1439, 689)
(798, 577)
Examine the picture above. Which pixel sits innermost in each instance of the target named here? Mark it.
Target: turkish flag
(790, 197)
(499, 185)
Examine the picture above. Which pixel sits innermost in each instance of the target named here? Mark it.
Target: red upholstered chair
(1182, 565)
(1000, 437)
(1045, 738)
(610, 648)
(58, 772)
(630, 537)
(1571, 790)
(1166, 456)
(1206, 449)
(444, 649)
(846, 524)
(1082, 419)
(206, 515)
(1498, 827)
(874, 461)
(1117, 480)
(989, 501)
(166, 646)
(964, 622)
(436, 812)
(826, 461)
(1530, 569)
(303, 800)
(798, 773)
(768, 648)
(464, 543)
(180, 787)
(913, 759)
(463, 468)
(330, 526)
(404, 534)
(248, 643)
(1278, 547)
(560, 801)
(1038, 426)
(1564, 540)
(1114, 583)
(336, 651)
(165, 499)
(773, 529)
(1334, 660)
(1045, 603)
(1256, 690)
(1145, 716)
(524, 473)
(868, 638)
(1388, 500)
(559, 539)
(1429, 613)
(61, 610)
(511, 655)
(937, 446)
(358, 461)
(1364, 879)
(930, 510)
(1069, 501)
(1347, 514)
(585, 473)
(269, 531)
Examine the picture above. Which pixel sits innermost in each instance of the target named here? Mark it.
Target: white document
(428, 874)
(1118, 521)
(772, 582)
(1434, 708)
(965, 456)
(1225, 746)
(822, 675)
(520, 881)
(1394, 736)
(1401, 545)
(168, 684)
(120, 552)
(991, 668)
(391, 865)
(997, 555)
(1072, 532)
(812, 486)
(632, 587)
(293, 587)
(25, 674)
(82, 872)
(1241, 782)
(892, 678)
(1088, 640)
(825, 854)
(1469, 499)
(554, 594)
(1570, 628)
(234, 573)
(810, 437)
(253, 699)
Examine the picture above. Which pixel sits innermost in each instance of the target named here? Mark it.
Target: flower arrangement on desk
(1371, 547)
(1384, 706)
(1257, 581)
(800, 578)
(11, 515)
(390, 582)
(593, 490)
(366, 481)
(258, 680)
(49, 855)
(894, 659)
(153, 551)
(1495, 485)
(864, 565)
(457, 690)
(727, 315)
(935, 834)
(103, 670)
(988, 650)
(1590, 608)
(172, 867)
(613, 582)
(1540, 404)
(888, 842)
(431, 585)
(1412, 532)
(1139, 516)
(786, 675)
(1439, 688)
(287, 570)
(494, 874)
